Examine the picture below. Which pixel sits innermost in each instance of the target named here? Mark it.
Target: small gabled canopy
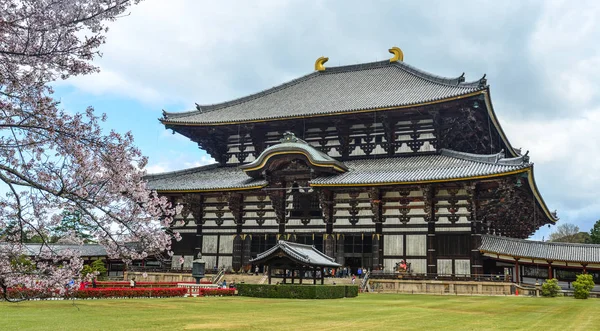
(304, 255)
(290, 144)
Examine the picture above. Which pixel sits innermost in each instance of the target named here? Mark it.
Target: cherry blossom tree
(52, 160)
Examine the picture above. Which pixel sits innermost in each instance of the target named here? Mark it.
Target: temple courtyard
(366, 312)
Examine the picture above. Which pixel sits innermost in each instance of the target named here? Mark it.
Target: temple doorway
(353, 263)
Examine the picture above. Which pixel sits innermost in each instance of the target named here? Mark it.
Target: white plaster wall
(226, 244)
(416, 245)
(418, 266)
(225, 262)
(393, 245)
(210, 261)
(187, 261)
(313, 222)
(462, 267)
(389, 264)
(209, 244)
(444, 267)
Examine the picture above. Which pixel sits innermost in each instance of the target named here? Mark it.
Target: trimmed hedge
(27, 294)
(297, 291)
(351, 291)
(217, 291)
(129, 292)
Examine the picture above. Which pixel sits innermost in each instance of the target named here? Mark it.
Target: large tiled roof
(304, 254)
(84, 250)
(447, 165)
(367, 86)
(210, 177)
(550, 251)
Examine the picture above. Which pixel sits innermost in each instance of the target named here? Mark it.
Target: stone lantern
(198, 268)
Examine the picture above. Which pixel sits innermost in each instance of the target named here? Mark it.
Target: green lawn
(367, 312)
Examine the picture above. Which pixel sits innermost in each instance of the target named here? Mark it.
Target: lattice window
(306, 205)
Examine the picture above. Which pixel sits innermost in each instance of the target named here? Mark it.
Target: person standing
(132, 283)
(359, 272)
(256, 271)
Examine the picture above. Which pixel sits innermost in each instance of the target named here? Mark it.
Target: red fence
(138, 284)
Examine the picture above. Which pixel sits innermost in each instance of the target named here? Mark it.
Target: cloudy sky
(542, 60)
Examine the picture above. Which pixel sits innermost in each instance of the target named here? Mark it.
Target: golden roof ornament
(398, 55)
(319, 63)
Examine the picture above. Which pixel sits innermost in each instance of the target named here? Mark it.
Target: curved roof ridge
(215, 106)
(457, 81)
(446, 81)
(181, 172)
(498, 158)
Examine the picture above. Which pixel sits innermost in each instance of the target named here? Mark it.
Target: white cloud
(111, 82)
(571, 143)
(178, 161)
(564, 45)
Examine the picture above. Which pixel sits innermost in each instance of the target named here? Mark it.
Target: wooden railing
(364, 284)
(158, 269)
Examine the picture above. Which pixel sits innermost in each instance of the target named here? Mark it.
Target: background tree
(71, 226)
(52, 160)
(568, 232)
(595, 233)
(96, 269)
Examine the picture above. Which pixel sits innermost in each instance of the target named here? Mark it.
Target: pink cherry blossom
(51, 160)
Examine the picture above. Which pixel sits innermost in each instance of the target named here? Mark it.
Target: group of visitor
(82, 285)
(224, 284)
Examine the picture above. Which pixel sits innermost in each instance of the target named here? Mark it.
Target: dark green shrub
(296, 291)
(351, 291)
(550, 288)
(583, 285)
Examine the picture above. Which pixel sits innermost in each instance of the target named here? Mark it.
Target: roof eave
(174, 124)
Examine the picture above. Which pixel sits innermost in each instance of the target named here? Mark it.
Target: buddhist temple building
(370, 163)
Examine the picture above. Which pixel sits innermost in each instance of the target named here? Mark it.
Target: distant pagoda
(370, 163)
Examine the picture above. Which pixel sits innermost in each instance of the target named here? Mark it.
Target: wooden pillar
(328, 243)
(284, 274)
(550, 275)
(292, 271)
(269, 273)
(376, 249)
(236, 263)
(517, 273)
(246, 251)
(195, 204)
(322, 276)
(339, 255)
(375, 197)
(430, 218)
(315, 276)
(476, 257)
(584, 268)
